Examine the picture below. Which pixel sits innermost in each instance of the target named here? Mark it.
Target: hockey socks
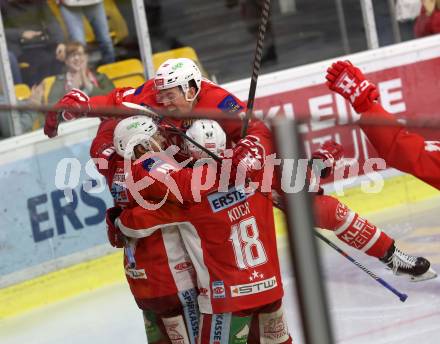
(349, 227)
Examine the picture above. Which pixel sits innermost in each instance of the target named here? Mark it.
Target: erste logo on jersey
(223, 200)
(229, 105)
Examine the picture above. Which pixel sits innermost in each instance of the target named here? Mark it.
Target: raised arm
(401, 149)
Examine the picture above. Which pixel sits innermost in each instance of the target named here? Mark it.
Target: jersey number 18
(248, 249)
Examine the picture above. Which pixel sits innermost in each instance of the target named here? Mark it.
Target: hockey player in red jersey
(230, 237)
(163, 280)
(401, 149)
(178, 89)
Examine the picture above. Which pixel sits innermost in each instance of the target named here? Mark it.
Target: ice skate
(417, 268)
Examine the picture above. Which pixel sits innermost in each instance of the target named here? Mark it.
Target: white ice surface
(362, 311)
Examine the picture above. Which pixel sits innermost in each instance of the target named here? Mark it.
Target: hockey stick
(256, 66)
(400, 295)
(178, 131)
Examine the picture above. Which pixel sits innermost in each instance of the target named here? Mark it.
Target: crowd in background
(48, 38)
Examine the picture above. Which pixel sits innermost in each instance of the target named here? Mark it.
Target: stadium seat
(22, 91)
(47, 84)
(159, 58)
(124, 73)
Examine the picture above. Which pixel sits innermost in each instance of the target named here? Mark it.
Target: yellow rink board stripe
(90, 275)
(404, 189)
(61, 284)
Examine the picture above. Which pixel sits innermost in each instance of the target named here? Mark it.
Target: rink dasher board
(274, 91)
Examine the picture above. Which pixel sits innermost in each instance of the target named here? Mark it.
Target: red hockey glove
(347, 80)
(114, 234)
(326, 157)
(250, 154)
(75, 99)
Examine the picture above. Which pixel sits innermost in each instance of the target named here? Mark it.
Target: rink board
(97, 273)
(62, 241)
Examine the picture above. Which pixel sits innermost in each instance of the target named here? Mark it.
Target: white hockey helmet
(131, 132)
(207, 133)
(178, 72)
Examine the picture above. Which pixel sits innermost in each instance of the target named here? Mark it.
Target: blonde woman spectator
(78, 75)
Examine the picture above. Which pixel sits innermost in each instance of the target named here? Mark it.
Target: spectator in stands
(78, 75)
(73, 12)
(33, 36)
(250, 11)
(428, 22)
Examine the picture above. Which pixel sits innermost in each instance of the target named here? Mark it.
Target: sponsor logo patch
(203, 292)
(135, 274)
(229, 105)
(191, 311)
(253, 288)
(218, 290)
(217, 334)
(159, 82)
(183, 266)
(341, 212)
(223, 200)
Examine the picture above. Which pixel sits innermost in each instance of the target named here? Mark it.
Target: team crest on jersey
(223, 200)
(229, 105)
(218, 290)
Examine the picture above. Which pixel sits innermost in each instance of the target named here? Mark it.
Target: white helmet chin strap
(187, 87)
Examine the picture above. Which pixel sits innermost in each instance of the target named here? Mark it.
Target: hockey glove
(75, 99)
(325, 159)
(114, 234)
(248, 156)
(348, 80)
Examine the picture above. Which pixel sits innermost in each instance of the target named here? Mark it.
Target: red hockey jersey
(212, 98)
(230, 237)
(401, 149)
(163, 266)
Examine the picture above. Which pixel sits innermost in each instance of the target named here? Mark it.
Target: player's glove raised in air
(114, 234)
(348, 80)
(325, 159)
(248, 156)
(75, 99)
